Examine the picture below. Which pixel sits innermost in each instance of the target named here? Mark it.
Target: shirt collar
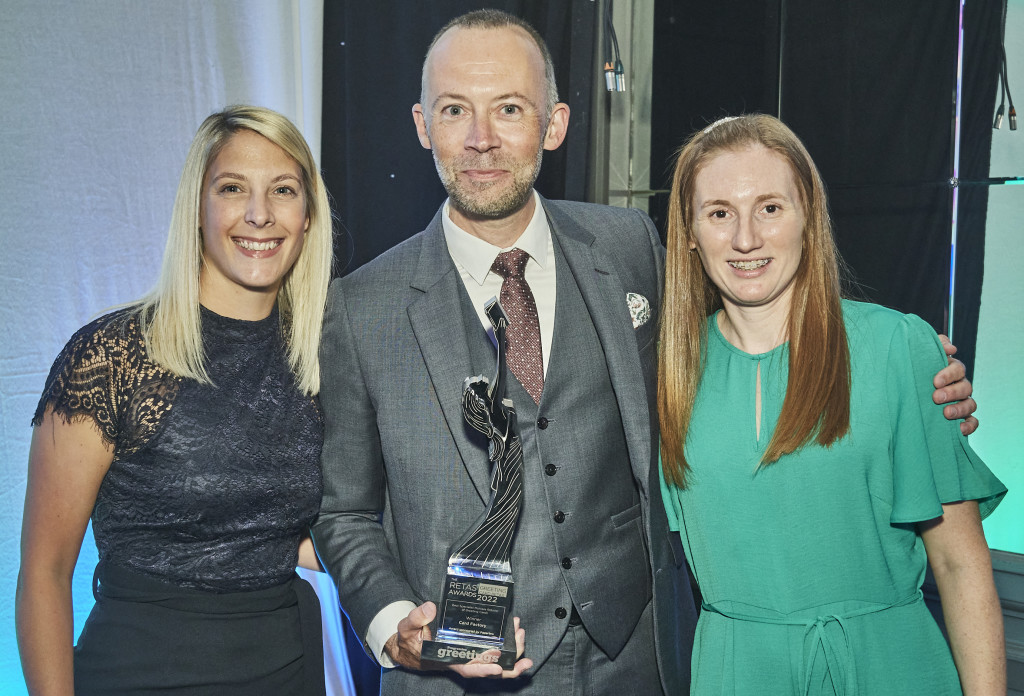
(476, 256)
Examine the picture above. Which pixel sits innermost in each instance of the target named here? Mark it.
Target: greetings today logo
(465, 654)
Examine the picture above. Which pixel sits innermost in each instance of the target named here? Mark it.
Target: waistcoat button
(550, 469)
(567, 563)
(559, 517)
(542, 423)
(561, 613)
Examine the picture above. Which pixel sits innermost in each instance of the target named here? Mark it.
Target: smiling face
(748, 227)
(253, 218)
(484, 117)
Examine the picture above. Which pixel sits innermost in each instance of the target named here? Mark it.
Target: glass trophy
(473, 617)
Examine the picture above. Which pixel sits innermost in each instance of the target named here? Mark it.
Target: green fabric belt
(839, 659)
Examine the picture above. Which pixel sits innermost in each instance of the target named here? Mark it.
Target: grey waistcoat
(580, 540)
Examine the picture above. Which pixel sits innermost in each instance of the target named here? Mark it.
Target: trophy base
(459, 653)
(473, 621)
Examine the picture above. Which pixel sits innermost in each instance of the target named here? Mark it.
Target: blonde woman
(186, 425)
(804, 462)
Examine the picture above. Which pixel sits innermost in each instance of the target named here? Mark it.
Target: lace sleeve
(89, 380)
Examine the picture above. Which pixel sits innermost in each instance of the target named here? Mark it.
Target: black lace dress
(199, 518)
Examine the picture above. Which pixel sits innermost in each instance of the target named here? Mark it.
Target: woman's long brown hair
(817, 403)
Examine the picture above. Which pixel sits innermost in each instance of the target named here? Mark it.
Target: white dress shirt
(473, 258)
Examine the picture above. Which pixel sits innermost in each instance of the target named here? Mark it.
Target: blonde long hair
(169, 313)
(817, 403)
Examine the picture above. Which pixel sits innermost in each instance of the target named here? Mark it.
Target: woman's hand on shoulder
(954, 389)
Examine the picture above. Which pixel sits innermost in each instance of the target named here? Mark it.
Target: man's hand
(490, 669)
(404, 647)
(953, 389)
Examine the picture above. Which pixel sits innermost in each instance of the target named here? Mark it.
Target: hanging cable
(614, 74)
(1012, 113)
(1004, 80)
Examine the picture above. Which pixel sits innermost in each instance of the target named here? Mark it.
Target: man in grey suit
(602, 589)
(403, 332)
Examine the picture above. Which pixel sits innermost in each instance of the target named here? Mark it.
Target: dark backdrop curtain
(868, 86)
(384, 184)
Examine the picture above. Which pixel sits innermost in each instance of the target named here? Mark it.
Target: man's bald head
(497, 19)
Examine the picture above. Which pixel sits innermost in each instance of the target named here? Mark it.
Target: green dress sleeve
(932, 461)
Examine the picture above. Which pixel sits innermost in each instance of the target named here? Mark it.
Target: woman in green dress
(804, 464)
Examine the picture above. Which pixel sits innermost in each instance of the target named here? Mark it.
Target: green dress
(811, 568)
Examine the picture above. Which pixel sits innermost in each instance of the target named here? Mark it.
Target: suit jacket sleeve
(347, 534)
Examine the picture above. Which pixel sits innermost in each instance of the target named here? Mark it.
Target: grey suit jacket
(402, 475)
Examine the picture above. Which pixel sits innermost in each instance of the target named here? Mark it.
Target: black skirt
(146, 636)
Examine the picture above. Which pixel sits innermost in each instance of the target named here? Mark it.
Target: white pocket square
(639, 309)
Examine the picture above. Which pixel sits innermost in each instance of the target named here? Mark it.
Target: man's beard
(472, 199)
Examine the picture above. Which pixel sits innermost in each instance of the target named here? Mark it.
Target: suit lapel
(605, 298)
(437, 322)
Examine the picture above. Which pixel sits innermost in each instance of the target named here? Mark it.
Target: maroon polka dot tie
(523, 356)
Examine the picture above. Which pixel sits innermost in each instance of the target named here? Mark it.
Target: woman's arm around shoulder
(67, 463)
